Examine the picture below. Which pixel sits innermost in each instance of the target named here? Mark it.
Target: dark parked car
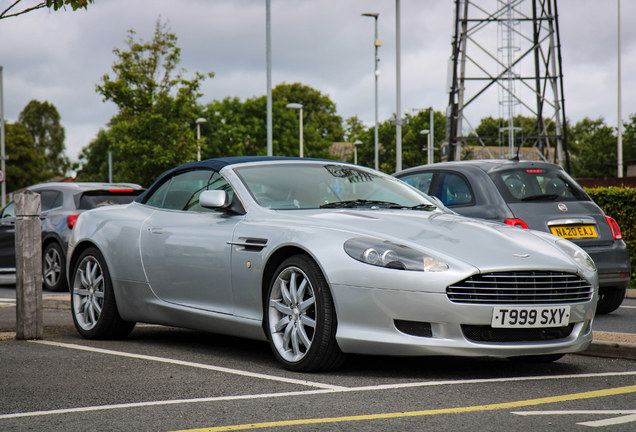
(61, 204)
(534, 195)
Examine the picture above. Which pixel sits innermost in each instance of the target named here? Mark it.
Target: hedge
(620, 203)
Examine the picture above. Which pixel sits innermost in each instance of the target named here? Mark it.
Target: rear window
(91, 199)
(537, 184)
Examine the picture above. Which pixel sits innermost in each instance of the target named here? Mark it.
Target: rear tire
(547, 358)
(609, 299)
(300, 317)
(54, 268)
(93, 301)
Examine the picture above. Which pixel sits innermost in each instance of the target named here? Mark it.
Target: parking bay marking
(626, 416)
(192, 364)
(476, 408)
(329, 389)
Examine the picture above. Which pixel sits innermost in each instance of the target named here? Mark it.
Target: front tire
(93, 301)
(609, 299)
(300, 317)
(53, 268)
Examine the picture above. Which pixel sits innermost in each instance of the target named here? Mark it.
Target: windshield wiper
(422, 207)
(542, 197)
(384, 204)
(360, 203)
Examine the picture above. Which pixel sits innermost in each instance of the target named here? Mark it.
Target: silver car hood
(486, 245)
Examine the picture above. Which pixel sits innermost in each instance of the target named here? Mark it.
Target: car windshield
(311, 186)
(531, 184)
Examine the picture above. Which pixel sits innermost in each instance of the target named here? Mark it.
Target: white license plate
(556, 316)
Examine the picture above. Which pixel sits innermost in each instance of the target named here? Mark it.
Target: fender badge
(521, 255)
(562, 207)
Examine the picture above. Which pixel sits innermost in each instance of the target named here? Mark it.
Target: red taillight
(71, 219)
(516, 223)
(616, 231)
(120, 190)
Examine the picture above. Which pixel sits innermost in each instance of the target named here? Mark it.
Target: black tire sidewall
(62, 282)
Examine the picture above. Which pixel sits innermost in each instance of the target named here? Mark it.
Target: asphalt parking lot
(168, 379)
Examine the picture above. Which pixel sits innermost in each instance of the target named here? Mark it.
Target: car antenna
(516, 158)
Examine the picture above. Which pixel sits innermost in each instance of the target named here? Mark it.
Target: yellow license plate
(578, 231)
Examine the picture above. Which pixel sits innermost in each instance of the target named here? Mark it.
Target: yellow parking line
(499, 406)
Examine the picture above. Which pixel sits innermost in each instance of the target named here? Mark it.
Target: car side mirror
(214, 199)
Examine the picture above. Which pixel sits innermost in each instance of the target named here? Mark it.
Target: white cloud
(61, 56)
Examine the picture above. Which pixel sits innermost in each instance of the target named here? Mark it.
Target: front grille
(521, 288)
(484, 333)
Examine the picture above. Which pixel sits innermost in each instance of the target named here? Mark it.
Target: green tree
(593, 149)
(319, 111)
(94, 159)
(236, 128)
(14, 10)
(42, 120)
(412, 142)
(153, 130)
(26, 165)
(354, 129)
(629, 142)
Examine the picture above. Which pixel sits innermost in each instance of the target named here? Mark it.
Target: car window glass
(156, 199)
(50, 199)
(212, 180)
(421, 181)
(536, 184)
(453, 190)
(9, 210)
(314, 185)
(182, 192)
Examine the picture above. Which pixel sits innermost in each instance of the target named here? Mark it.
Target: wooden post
(28, 257)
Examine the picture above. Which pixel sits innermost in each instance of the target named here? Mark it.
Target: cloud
(60, 56)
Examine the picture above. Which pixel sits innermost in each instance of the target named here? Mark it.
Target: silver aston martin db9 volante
(322, 259)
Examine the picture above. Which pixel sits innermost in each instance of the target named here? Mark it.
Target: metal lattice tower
(511, 48)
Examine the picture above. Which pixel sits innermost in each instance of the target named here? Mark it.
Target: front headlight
(391, 255)
(577, 254)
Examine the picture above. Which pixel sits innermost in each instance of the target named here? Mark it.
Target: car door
(184, 247)
(7, 238)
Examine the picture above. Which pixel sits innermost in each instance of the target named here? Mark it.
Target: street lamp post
(429, 150)
(298, 107)
(199, 121)
(355, 151)
(377, 43)
(398, 120)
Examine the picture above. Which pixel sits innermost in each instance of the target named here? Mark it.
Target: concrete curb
(623, 350)
(56, 301)
(630, 293)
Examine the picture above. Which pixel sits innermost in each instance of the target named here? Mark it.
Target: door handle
(156, 230)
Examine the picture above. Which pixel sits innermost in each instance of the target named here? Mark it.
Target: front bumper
(366, 325)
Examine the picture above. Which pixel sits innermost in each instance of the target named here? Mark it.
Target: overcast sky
(59, 57)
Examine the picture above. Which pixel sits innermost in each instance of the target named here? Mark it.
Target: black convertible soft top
(217, 165)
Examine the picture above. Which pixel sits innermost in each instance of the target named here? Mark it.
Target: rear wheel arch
(79, 248)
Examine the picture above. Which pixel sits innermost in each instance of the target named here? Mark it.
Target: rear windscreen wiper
(542, 197)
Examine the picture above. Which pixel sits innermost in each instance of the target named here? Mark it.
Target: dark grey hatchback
(532, 195)
(61, 204)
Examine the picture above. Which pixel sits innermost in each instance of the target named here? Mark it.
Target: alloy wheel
(88, 293)
(292, 314)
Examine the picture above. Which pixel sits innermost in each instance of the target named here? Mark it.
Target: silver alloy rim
(52, 267)
(88, 293)
(292, 314)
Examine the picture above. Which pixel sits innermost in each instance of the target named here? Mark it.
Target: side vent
(250, 244)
